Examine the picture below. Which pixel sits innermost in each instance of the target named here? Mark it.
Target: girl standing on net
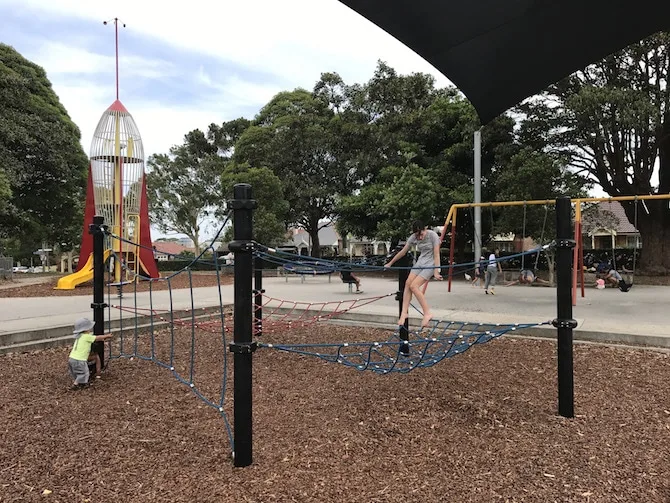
(427, 266)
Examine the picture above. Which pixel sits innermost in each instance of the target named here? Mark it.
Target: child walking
(81, 352)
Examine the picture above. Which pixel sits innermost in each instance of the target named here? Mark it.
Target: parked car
(21, 269)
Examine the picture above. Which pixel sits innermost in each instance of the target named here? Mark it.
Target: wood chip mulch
(46, 289)
(479, 427)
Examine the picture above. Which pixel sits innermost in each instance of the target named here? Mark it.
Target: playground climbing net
(190, 339)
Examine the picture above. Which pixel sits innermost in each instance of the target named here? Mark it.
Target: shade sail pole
(478, 194)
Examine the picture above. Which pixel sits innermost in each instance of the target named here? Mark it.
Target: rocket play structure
(117, 191)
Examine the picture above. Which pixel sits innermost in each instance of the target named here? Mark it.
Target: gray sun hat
(83, 325)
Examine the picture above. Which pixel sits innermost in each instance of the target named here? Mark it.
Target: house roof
(169, 247)
(624, 226)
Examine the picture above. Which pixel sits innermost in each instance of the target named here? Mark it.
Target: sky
(184, 68)
(199, 63)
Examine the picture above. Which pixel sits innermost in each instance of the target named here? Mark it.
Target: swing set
(578, 251)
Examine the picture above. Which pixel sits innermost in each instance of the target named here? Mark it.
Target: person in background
(492, 269)
(527, 277)
(480, 273)
(615, 279)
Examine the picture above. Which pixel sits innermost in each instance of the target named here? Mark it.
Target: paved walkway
(638, 317)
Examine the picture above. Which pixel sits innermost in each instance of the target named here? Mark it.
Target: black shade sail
(498, 52)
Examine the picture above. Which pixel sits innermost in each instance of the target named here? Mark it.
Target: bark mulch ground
(479, 427)
(46, 289)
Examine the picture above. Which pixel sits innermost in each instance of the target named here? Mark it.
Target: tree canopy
(295, 136)
(183, 187)
(43, 167)
(374, 156)
(270, 214)
(613, 122)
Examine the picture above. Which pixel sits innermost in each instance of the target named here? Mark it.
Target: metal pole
(403, 274)
(564, 322)
(258, 296)
(243, 347)
(478, 194)
(452, 246)
(97, 229)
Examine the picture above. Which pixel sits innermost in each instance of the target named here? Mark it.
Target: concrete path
(640, 316)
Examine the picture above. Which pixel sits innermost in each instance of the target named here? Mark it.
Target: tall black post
(564, 322)
(258, 296)
(98, 231)
(403, 274)
(243, 346)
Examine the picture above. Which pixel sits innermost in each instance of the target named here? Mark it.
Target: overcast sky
(200, 62)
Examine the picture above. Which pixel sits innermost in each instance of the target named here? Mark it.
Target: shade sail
(498, 52)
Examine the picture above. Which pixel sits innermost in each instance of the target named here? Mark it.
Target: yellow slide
(82, 276)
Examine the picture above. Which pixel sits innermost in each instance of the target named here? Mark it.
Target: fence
(6, 264)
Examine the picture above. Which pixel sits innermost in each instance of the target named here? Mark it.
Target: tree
(409, 124)
(270, 214)
(294, 136)
(613, 120)
(184, 186)
(5, 193)
(42, 162)
(386, 209)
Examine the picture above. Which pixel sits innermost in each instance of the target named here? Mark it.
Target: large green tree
(41, 159)
(423, 136)
(184, 186)
(272, 209)
(295, 135)
(613, 119)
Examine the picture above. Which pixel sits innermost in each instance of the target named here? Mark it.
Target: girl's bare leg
(406, 298)
(416, 289)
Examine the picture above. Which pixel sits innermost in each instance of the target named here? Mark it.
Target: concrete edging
(33, 340)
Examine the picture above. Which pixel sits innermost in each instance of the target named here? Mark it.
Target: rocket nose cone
(117, 106)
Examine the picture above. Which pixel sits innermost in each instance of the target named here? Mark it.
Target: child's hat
(83, 325)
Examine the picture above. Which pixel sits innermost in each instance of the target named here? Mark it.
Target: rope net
(190, 336)
(423, 348)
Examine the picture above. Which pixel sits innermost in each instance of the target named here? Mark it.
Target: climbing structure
(116, 190)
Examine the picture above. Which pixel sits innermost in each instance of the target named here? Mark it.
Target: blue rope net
(424, 348)
(169, 336)
(304, 265)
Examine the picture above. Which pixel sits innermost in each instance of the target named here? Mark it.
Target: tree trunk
(316, 245)
(655, 233)
(551, 265)
(196, 242)
(460, 252)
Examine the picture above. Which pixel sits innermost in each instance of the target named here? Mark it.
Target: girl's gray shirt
(425, 248)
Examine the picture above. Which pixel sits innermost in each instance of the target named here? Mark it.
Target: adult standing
(492, 272)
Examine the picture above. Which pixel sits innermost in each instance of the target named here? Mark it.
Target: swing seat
(348, 280)
(623, 286)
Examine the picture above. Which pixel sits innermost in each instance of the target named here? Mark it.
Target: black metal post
(564, 322)
(403, 274)
(98, 305)
(258, 296)
(243, 346)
